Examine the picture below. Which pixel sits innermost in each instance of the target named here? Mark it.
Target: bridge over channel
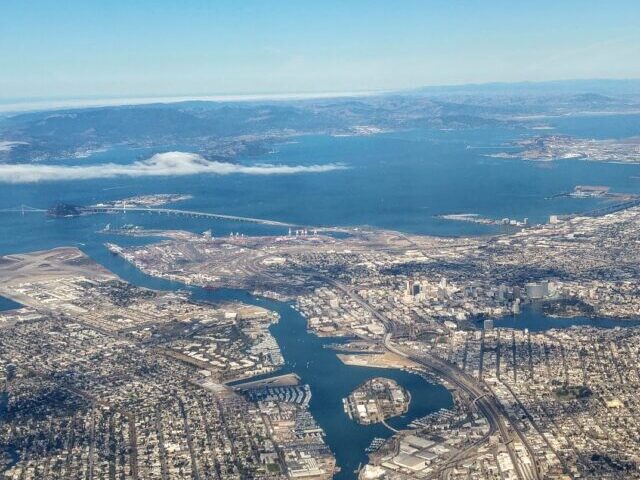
(189, 213)
(23, 209)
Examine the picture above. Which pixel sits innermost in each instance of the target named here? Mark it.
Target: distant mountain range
(225, 130)
(612, 87)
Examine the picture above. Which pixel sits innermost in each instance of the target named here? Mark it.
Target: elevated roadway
(189, 213)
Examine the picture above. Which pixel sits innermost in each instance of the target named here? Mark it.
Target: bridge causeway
(23, 209)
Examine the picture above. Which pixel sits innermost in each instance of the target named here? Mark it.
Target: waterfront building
(537, 290)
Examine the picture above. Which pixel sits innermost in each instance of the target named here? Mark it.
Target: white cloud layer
(28, 106)
(6, 146)
(161, 164)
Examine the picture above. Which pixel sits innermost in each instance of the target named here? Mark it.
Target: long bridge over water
(188, 213)
(615, 207)
(166, 211)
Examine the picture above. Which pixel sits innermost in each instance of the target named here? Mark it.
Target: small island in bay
(376, 400)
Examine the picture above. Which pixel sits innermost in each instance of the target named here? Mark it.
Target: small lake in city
(533, 318)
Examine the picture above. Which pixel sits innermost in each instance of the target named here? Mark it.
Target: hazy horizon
(19, 105)
(129, 49)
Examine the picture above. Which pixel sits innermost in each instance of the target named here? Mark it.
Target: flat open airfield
(44, 265)
(64, 262)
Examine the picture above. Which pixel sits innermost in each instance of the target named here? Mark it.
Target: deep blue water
(398, 181)
(533, 318)
(6, 304)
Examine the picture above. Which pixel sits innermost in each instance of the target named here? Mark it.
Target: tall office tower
(537, 290)
(515, 308)
(10, 371)
(502, 292)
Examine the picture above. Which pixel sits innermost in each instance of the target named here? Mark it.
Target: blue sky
(102, 48)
